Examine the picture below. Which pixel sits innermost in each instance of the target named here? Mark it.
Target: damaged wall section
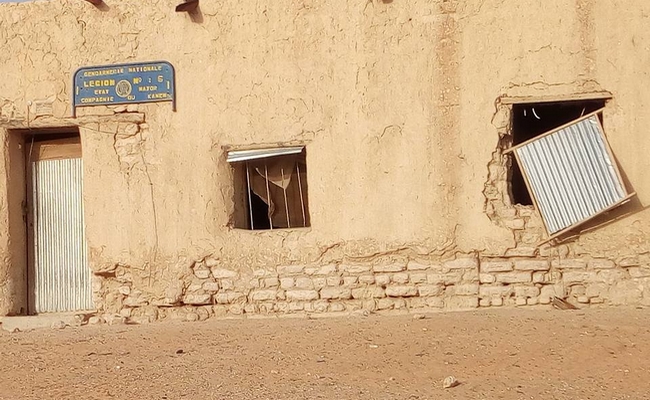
(507, 192)
(391, 99)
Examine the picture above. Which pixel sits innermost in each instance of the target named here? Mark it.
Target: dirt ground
(503, 354)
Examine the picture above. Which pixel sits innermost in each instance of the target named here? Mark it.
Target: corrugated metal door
(61, 277)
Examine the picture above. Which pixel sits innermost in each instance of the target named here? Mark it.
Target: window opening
(272, 184)
(571, 173)
(530, 120)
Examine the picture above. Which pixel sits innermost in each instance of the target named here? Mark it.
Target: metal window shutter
(571, 174)
(248, 155)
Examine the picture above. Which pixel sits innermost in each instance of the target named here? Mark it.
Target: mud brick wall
(405, 111)
(413, 286)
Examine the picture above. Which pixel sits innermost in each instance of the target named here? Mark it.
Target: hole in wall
(530, 120)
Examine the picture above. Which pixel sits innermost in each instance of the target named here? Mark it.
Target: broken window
(565, 163)
(531, 120)
(270, 188)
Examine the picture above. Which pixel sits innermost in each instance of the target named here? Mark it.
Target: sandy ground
(503, 354)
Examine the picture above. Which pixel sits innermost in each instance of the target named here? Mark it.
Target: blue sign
(124, 84)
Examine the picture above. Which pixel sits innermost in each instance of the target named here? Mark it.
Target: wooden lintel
(601, 95)
(188, 6)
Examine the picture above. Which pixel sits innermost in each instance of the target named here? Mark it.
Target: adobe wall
(400, 107)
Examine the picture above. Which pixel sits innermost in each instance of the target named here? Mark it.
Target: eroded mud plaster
(395, 103)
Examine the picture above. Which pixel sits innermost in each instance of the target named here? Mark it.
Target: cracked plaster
(394, 101)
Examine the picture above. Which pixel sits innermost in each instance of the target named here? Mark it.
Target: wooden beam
(188, 6)
(512, 100)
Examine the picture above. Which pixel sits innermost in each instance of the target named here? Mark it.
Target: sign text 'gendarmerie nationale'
(124, 84)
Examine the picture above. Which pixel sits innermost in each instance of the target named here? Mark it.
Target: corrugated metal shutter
(248, 155)
(571, 174)
(62, 277)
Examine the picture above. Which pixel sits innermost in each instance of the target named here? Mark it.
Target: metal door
(61, 278)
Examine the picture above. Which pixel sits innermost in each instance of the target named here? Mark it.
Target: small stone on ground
(449, 382)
